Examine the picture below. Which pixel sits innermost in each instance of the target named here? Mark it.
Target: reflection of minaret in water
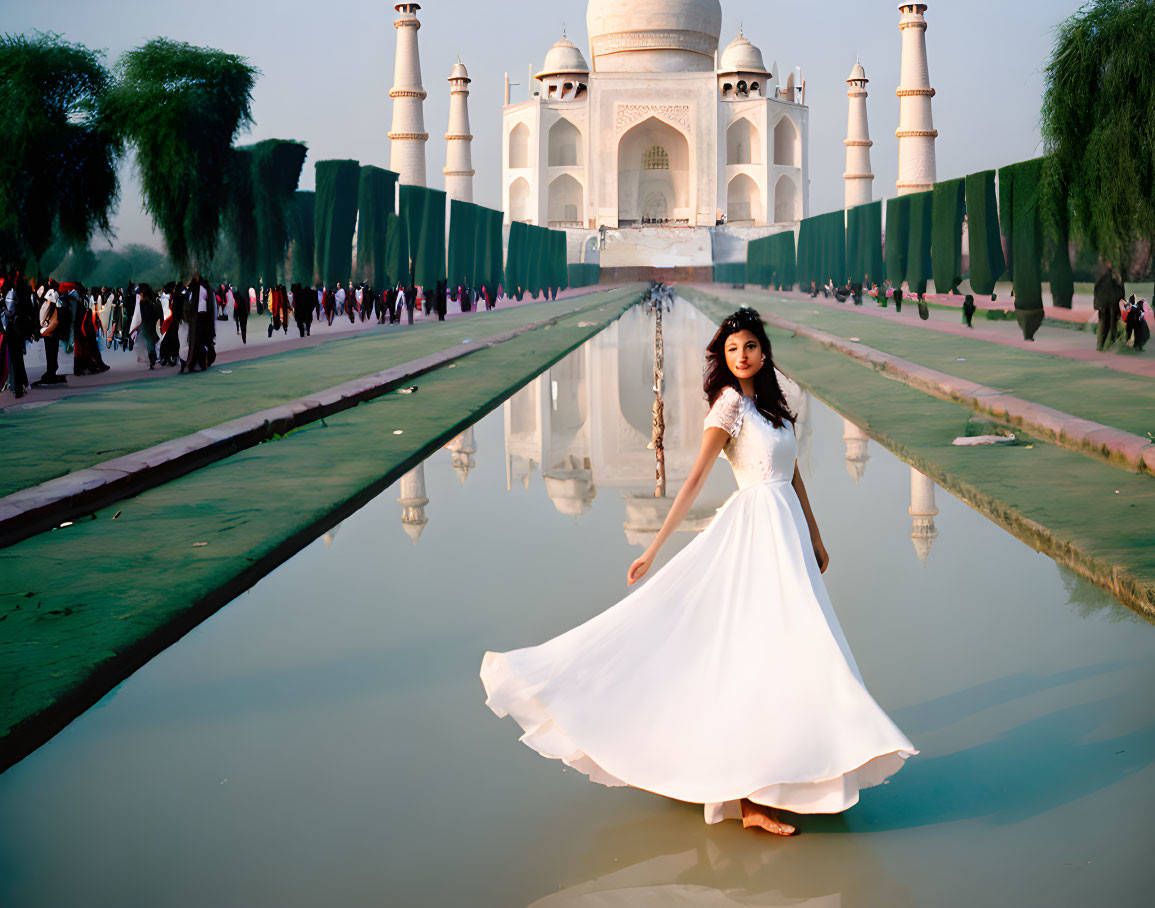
(922, 510)
(462, 449)
(857, 449)
(413, 502)
(330, 536)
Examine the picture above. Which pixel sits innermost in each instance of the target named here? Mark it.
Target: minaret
(857, 449)
(408, 135)
(916, 132)
(462, 448)
(858, 178)
(922, 510)
(413, 502)
(458, 155)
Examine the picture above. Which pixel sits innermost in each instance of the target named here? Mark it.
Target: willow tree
(58, 159)
(181, 107)
(1098, 126)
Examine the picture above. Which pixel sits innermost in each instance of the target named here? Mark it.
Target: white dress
(726, 675)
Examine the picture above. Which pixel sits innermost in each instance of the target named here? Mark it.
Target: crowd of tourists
(84, 321)
(1120, 317)
(175, 325)
(303, 305)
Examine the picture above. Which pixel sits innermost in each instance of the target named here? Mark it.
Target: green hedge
(806, 267)
(782, 259)
(424, 213)
(492, 255)
(918, 266)
(240, 217)
(946, 234)
(864, 243)
(897, 238)
(301, 235)
(732, 272)
(986, 247)
(757, 270)
(1061, 274)
(536, 261)
(461, 267)
(375, 202)
(335, 219)
(276, 167)
(585, 275)
(397, 264)
(1018, 195)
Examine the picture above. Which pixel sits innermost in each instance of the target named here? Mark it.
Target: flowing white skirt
(725, 676)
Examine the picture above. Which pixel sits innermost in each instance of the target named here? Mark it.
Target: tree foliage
(1098, 126)
(181, 107)
(58, 160)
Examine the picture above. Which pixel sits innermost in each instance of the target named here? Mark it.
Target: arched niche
(565, 202)
(519, 146)
(519, 200)
(742, 143)
(785, 200)
(653, 174)
(743, 205)
(565, 145)
(786, 143)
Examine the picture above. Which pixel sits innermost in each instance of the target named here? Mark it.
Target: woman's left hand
(822, 557)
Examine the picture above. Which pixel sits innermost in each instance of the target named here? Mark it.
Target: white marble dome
(459, 72)
(858, 74)
(740, 56)
(564, 57)
(653, 36)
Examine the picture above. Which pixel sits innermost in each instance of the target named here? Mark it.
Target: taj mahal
(661, 130)
(660, 152)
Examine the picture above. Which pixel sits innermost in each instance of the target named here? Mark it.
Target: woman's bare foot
(764, 818)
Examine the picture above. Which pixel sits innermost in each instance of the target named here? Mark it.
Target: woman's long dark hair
(768, 396)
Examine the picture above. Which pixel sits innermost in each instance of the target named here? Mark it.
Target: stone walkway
(49, 438)
(1064, 378)
(132, 365)
(1067, 342)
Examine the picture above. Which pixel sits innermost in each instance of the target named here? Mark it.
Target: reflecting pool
(323, 739)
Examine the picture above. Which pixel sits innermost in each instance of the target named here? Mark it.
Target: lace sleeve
(726, 413)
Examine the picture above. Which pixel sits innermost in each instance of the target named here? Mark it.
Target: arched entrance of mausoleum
(653, 175)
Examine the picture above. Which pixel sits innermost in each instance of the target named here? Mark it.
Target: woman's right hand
(638, 569)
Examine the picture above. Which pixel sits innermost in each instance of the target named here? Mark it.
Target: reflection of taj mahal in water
(586, 425)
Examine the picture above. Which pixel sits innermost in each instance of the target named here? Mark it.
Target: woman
(145, 322)
(171, 306)
(51, 331)
(86, 358)
(726, 680)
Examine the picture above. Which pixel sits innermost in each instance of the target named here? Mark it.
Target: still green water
(323, 739)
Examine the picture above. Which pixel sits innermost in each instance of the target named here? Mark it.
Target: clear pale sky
(327, 68)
